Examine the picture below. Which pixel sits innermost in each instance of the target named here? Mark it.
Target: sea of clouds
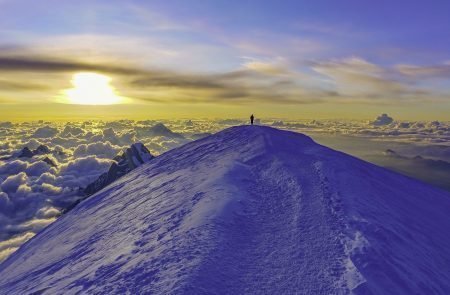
(35, 191)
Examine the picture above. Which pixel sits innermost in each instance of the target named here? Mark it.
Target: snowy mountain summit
(249, 210)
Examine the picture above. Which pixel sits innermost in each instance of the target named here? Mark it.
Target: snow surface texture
(248, 210)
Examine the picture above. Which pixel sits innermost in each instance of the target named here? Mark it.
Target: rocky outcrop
(133, 157)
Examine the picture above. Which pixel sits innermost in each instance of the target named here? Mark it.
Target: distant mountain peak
(26, 152)
(42, 150)
(160, 129)
(50, 162)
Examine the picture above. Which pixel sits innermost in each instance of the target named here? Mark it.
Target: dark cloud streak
(39, 64)
(24, 86)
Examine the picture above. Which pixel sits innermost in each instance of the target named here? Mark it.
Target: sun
(92, 89)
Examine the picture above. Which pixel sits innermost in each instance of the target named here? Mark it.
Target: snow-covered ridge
(248, 210)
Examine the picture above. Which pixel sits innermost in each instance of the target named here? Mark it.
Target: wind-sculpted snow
(248, 210)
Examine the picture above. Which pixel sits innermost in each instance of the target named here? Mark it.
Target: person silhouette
(252, 118)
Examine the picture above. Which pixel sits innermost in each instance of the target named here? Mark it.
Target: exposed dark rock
(133, 157)
(25, 153)
(42, 150)
(50, 162)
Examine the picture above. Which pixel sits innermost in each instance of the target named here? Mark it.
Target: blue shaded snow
(248, 210)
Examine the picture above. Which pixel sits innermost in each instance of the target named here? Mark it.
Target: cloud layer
(66, 157)
(271, 81)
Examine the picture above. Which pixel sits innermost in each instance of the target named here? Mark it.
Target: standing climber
(252, 118)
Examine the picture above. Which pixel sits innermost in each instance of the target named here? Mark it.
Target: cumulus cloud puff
(82, 171)
(12, 183)
(9, 246)
(85, 165)
(99, 149)
(12, 167)
(45, 132)
(72, 131)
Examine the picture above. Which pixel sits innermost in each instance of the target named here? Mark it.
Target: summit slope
(248, 210)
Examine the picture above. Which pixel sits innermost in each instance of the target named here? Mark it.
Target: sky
(69, 60)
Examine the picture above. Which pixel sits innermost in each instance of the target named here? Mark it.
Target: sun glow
(92, 89)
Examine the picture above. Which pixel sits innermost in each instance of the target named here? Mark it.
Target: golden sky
(133, 60)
